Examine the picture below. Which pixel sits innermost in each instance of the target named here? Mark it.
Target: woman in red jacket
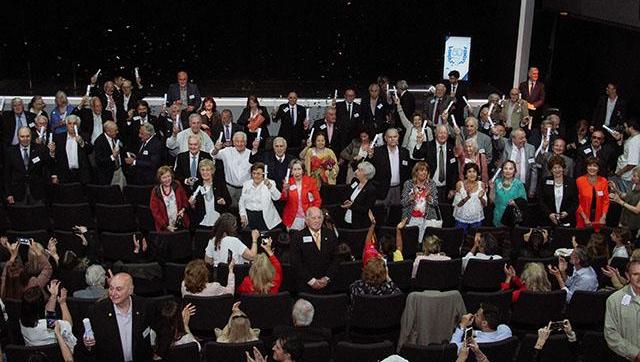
(300, 192)
(168, 202)
(534, 278)
(265, 275)
(593, 197)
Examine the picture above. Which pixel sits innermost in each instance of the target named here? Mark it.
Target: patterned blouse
(360, 287)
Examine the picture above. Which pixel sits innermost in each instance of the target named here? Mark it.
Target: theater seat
(534, 310)
(172, 246)
(231, 352)
(356, 352)
(22, 353)
(104, 194)
(69, 193)
(117, 246)
(556, 349)
(348, 272)
(317, 352)
(400, 273)
(267, 311)
(501, 299)
(138, 194)
(452, 239)
(431, 353)
(184, 353)
(586, 309)
(438, 275)
(212, 313)
(355, 238)
(330, 310)
(28, 217)
(376, 318)
(483, 275)
(502, 351)
(115, 218)
(66, 216)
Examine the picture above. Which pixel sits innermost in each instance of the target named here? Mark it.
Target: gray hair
(582, 255)
(241, 135)
(63, 96)
(298, 162)
(148, 128)
(402, 85)
(368, 169)
(195, 137)
(95, 276)
(329, 109)
(74, 118)
(16, 100)
(472, 119)
(280, 139)
(194, 116)
(302, 313)
(472, 142)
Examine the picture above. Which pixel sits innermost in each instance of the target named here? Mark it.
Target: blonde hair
(432, 245)
(262, 273)
(534, 276)
(237, 330)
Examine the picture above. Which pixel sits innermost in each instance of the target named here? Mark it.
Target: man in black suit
(186, 167)
(348, 113)
(611, 110)
(109, 155)
(167, 120)
(293, 120)
(26, 170)
(407, 101)
(436, 106)
(184, 93)
(277, 161)
(120, 325)
(130, 98)
(605, 153)
(532, 91)
(375, 109)
(334, 132)
(455, 90)
(92, 119)
(144, 164)
(13, 120)
(71, 161)
(440, 157)
(130, 128)
(227, 127)
(109, 96)
(313, 254)
(392, 168)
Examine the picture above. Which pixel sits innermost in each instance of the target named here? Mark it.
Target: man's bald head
(120, 288)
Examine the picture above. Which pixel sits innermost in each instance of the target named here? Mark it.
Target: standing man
(436, 106)
(236, 164)
(611, 109)
(109, 156)
(523, 154)
(392, 168)
(293, 120)
(187, 164)
(514, 111)
(532, 91)
(145, 162)
(71, 161)
(14, 120)
(277, 160)
(455, 91)
(622, 317)
(440, 156)
(348, 113)
(335, 133)
(177, 142)
(184, 93)
(226, 126)
(630, 157)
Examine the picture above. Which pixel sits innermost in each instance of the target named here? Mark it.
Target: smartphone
(51, 320)
(468, 333)
(229, 256)
(557, 326)
(264, 238)
(24, 241)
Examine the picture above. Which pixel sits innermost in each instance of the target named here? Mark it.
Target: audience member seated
(431, 251)
(344, 253)
(210, 199)
(302, 316)
(621, 238)
(593, 197)
(583, 277)
(545, 332)
(505, 190)
(257, 210)
(172, 328)
(534, 278)
(18, 276)
(486, 326)
(611, 272)
(67, 268)
(558, 193)
(265, 274)
(169, 202)
(536, 244)
(361, 197)
(485, 247)
(238, 329)
(630, 202)
(196, 281)
(420, 199)
(470, 199)
(319, 160)
(95, 277)
(286, 349)
(597, 246)
(375, 280)
(225, 243)
(299, 192)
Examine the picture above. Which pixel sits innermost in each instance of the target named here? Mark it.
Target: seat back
(267, 311)
(501, 299)
(28, 217)
(316, 352)
(138, 194)
(117, 246)
(104, 194)
(483, 275)
(348, 272)
(365, 352)
(201, 239)
(172, 246)
(586, 309)
(355, 238)
(211, 313)
(22, 353)
(410, 242)
(184, 353)
(68, 240)
(377, 311)
(115, 218)
(330, 310)
(562, 236)
(452, 239)
(145, 218)
(240, 271)
(333, 194)
(430, 353)
(556, 348)
(66, 216)
(535, 309)
(231, 352)
(438, 274)
(69, 193)
(400, 273)
(147, 277)
(172, 276)
(502, 351)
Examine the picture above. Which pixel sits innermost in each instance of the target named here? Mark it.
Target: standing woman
(470, 199)
(209, 114)
(168, 202)
(413, 128)
(361, 197)
(419, 198)
(210, 199)
(299, 192)
(630, 202)
(505, 190)
(320, 161)
(467, 152)
(593, 197)
(36, 106)
(57, 123)
(253, 117)
(558, 195)
(357, 150)
(257, 210)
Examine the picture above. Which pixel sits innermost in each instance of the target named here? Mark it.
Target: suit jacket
(147, 162)
(295, 134)
(428, 152)
(9, 125)
(607, 157)
(461, 91)
(193, 95)
(310, 196)
(309, 262)
(86, 121)
(536, 98)
(378, 118)
(129, 130)
(350, 123)
(116, 96)
(382, 178)
(165, 124)
(182, 168)
(337, 142)
(617, 116)
(219, 127)
(107, 335)
(529, 151)
(569, 199)
(62, 161)
(277, 170)
(442, 105)
(361, 205)
(535, 137)
(243, 121)
(137, 94)
(219, 191)
(518, 112)
(105, 161)
(543, 163)
(16, 177)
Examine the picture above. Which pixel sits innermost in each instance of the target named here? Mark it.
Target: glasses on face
(597, 137)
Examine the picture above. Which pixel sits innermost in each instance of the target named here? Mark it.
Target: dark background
(237, 47)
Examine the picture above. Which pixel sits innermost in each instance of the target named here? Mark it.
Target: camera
(24, 241)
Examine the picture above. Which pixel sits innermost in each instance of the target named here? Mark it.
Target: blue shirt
(56, 121)
(582, 279)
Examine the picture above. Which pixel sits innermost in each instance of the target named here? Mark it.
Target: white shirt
(180, 142)
(125, 327)
(232, 243)
(436, 173)
(502, 332)
(611, 104)
(630, 156)
(481, 256)
(236, 165)
(394, 162)
(40, 335)
(72, 152)
(260, 198)
(349, 214)
(97, 127)
(620, 252)
(211, 214)
(522, 167)
(558, 191)
(171, 206)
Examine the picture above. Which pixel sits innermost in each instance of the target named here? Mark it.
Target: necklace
(166, 193)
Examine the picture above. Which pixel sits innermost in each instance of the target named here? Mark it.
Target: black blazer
(337, 140)
(617, 116)
(215, 132)
(165, 125)
(107, 335)
(106, 166)
(198, 211)
(36, 176)
(86, 121)
(349, 124)
(428, 152)
(309, 262)
(137, 94)
(129, 131)
(377, 119)
(382, 178)
(193, 95)
(537, 93)
(243, 120)
(147, 162)
(9, 125)
(360, 207)
(116, 95)
(62, 162)
(277, 170)
(569, 200)
(182, 168)
(295, 135)
(457, 108)
(607, 156)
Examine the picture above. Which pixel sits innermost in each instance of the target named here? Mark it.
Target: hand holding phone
(229, 256)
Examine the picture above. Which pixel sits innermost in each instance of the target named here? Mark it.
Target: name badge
(145, 152)
(453, 160)
(356, 115)
(626, 300)
(354, 184)
(136, 118)
(36, 159)
(405, 163)
(323, 126)
(293, 187)
(550, 182)
(481, 150)
(599, 193)
(286, 109)
(587, 151)
(32, 124)
(531, 160)
(311, 198)
(379, 106)
(146, 332)
(307, 239)
(192, 96)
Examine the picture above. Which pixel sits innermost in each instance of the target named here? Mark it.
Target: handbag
(513, 214)
(434, 223)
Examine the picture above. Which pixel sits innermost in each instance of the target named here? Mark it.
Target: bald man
(109, 155)
(184, 93)
(120, 324)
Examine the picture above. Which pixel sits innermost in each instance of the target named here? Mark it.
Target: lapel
(113, 325)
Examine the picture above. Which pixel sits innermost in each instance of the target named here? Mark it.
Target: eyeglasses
(597, 138)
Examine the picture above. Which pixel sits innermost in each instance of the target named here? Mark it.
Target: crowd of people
(212, 171)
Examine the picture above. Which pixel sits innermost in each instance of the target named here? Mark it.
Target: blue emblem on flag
(457, 55)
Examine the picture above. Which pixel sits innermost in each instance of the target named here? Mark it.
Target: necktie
(435, 112)
(531, 85)
(453, 88)
(441, 165)
(142, 146)
(193, 166)
(25, 158)
(116, 159)
(349, 109)
(316, 238)
(227, 133)
(293, 116)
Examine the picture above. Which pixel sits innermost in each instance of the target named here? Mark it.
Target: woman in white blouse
(413, 128)
(470, 199)
(225, 244)
(210, 198)
(257, 210)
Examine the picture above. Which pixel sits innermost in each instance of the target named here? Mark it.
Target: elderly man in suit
(523, 154)
(532, 91)
(293, 120)
(109, 155)
(514, 110)
(14, 120)
(348, 113)
(186, 167)
(225, 128)
(184, 93)
(277, 161)
(436, 106)
(557, 149)
(71, 160)
(144, 164)
(313, 254)
(391, 162)
(440, 156)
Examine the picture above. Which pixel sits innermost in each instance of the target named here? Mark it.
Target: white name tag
(32, 124)
(311, 198)
(481, 150)
(531, 160)
(587, 151)
(433, 101)
(599, 193)
(550, 182)
(354, 184)
(356, 115)
(323, 126)
(293, 187)
(405, 163)
(136, 118)
(192, 96)
(145, 152)
(286, 109)
(626, 300)
(36, 159)
(453, 160)
(380, 106)
(146, 332)
(307, 239)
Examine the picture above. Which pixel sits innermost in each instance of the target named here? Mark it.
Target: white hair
(302, 313)
(95, 276)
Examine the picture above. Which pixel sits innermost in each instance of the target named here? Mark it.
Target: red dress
(246, 287)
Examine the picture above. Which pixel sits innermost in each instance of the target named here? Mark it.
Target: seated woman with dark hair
(225, 242)
(536, 244)
(173, 328)
(16, 276)
(196, 281)
(375, 280)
